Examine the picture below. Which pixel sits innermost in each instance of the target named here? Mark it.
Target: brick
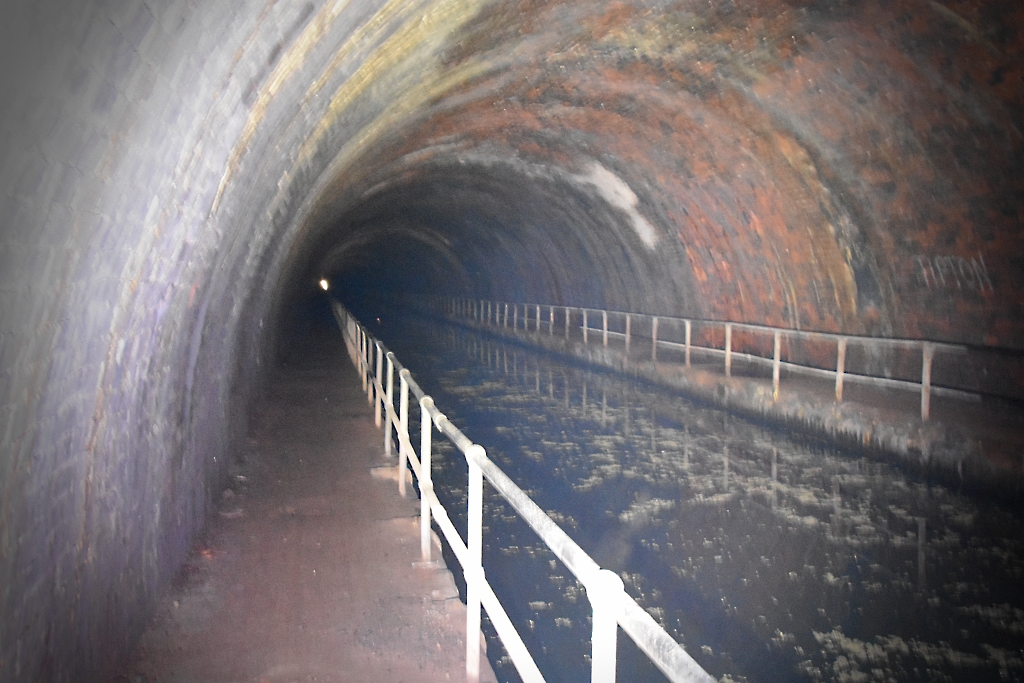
(122, 59)
(77, 77)
(32, 176)
(138, 28)
(69, 180)
(106, 97)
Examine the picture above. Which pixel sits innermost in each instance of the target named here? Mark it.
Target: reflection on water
(768, 559)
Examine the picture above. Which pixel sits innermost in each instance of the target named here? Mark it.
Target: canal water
(769, 558)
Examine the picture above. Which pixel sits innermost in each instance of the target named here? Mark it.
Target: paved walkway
(307, 572)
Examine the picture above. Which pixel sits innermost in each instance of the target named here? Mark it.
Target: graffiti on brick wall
(954, 272)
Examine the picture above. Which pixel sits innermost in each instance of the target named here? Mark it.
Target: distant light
(324, 284)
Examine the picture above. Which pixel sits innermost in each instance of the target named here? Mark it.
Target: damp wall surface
(175, 177)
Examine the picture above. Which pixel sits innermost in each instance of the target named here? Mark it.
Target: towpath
(308, 571)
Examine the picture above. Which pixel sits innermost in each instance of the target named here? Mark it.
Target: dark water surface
(768, 558)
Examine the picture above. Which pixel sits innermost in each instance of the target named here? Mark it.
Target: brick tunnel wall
(174, 174)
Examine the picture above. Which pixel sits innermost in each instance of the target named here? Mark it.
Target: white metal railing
(497, 314)
(612, 607)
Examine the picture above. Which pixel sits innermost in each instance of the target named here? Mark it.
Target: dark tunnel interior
(467, 230)
(177, 178)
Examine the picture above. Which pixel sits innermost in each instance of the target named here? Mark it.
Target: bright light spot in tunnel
(324, 284)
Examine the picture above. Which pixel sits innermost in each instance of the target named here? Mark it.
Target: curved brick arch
(172, 172)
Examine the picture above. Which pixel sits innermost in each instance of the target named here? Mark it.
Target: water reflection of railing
(798, 541)
(503, 314)
(612, 607)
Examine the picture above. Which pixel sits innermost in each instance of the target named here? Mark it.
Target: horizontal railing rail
(536, 317)
(612, 606)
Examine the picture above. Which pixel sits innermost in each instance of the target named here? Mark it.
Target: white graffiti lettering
(947, 272)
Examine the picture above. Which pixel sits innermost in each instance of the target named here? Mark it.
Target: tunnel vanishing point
(177, 175)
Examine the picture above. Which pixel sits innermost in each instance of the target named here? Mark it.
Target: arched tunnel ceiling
(835, 166)
(175, 175)
(505, 230)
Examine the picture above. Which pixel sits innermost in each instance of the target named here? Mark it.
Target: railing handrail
(757, 327)
(484, 310)
(612, 606)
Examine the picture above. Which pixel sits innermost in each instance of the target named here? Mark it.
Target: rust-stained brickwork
(837, 166)
(173, 175)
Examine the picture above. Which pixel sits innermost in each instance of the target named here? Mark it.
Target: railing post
(362, 355)
(376, 385)
(689, 329)
(566, 322)
(928, 351)
(604, 328)
(389, 396)
(505, 324)
(728, 350)
(369, 368)
(538, 318)
(585, 326)
(654, 339)
(628, 320)
(551, 320)
(776, 365)
(605, 591)
(474, 573)
(515, 316)
(426, 483)
(403, 427)
(353, 337)
(840, 367)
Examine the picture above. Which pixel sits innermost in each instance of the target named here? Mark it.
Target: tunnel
(178, 176)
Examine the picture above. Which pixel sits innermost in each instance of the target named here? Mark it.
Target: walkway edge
(950, 453)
